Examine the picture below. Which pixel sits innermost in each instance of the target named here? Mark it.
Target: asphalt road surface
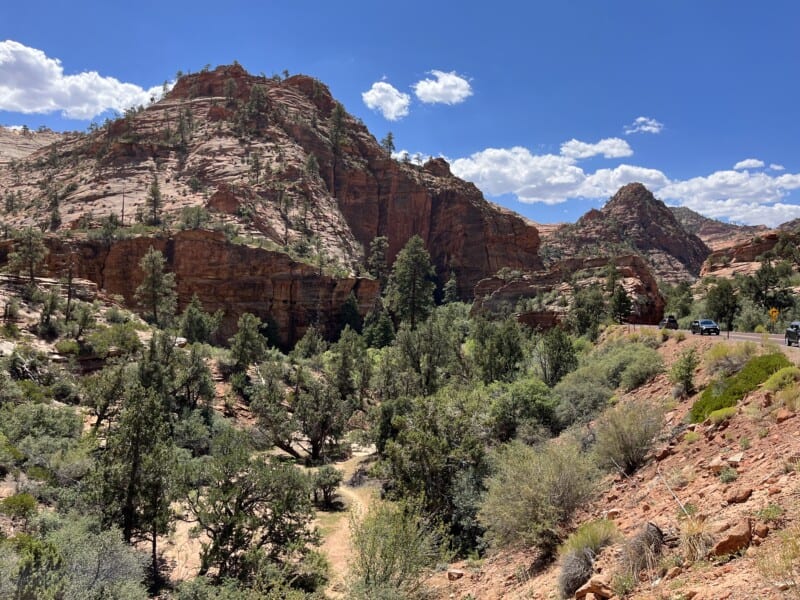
(738, 336)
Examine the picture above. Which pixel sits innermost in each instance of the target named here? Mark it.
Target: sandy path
(335, 525)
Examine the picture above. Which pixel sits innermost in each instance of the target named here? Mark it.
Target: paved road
(739, 336)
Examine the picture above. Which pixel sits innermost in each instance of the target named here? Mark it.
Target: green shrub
(580, 395)
(726, 359)
(625, 434)
(594, 535)
(783, 378)
(391, 545)
(722, 415)
(19, 507)
(728, 475)
(534, 492)
(641, 370)
(67, 347)
(730, 390)
(682, 372)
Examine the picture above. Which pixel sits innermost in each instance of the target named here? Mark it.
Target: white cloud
(418, 158)
(31, 82)
(547, 178)
(608, 147)
(644, 125)
(446, 88)
(748, 163)
(741, 196)
(776, 167)
(388, 100)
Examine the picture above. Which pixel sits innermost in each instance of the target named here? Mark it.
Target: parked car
(793, 333)
(668, 322)
(705, 327)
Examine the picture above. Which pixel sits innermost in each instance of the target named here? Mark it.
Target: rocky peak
(282, 168)
(632, 220)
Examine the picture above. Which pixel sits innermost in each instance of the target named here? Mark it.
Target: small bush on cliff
(730, 390)
(625, 435)
(534, 492)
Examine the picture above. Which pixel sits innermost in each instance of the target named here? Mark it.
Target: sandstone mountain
(16, 144)
(282, 162)
(715, 234)
(632, 221)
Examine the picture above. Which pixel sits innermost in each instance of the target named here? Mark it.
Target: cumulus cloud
(32, 82)
(755, 197)
(644, 125)
(418, 158)
(609, 148)
(388, 100)
(776, 167)
(748, 163)
(444, 88)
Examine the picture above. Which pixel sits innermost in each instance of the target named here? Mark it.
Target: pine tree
(450, 290)
(723, 303)
(29, 253)
(248, 345)
(409, 293)
(156, 294)
(387, 143)
(135, 476)
(376, 262)
(196, 325)
(154, 201)
(620, 304)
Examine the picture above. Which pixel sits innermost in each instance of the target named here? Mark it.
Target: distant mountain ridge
(715, 234)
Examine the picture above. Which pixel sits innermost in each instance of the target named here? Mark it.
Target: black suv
(793, 333)
(705, 326)
(668, 322)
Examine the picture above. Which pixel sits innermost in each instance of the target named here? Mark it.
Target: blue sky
(547, 106)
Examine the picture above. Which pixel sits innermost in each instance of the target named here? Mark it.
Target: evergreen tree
(723, 303)
(387, 143)
(156, 294)
(253, 510)
(349, 315)
(556, 355)
(450, 290)
(587, 311)
(196, 325)
(248, 346)
(620, 304)
(378, 327)
(154, 202)
(376, 262)
(29, 253)
(409, 293)
(135, 476)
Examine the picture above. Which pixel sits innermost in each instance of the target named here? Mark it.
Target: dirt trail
(335, 525)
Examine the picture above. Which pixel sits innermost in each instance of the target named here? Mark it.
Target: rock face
(225, 276)
(16, 144)
(280, 161)
(715, 234)
(632, 220)
(551, 290)
(740, 254)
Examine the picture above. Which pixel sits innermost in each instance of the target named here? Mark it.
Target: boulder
(736, 538)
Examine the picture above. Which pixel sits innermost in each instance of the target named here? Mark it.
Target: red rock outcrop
(553, 289)
(242, 146)
(225, 276)
(715, 234)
